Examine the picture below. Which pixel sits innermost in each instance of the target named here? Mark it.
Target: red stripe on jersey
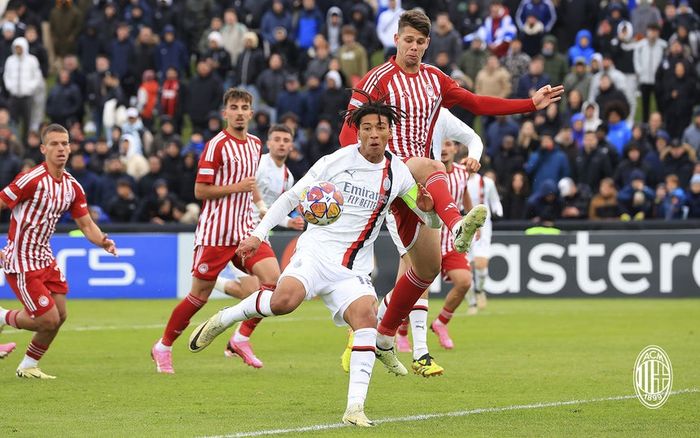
(354, 248)
(227, 220)
(457, 183)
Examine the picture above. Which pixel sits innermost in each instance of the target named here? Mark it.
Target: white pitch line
(321, 427)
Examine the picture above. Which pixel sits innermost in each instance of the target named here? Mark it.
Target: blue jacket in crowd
(544, 165)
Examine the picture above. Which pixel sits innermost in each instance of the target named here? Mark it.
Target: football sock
(419, 328)
(221, 284)
(180, 318)
(407, 291)
(9, 317)
(361, 363)
(246, 329)
(161, 347)
(445, 315)
(34, 353)
(480, 278)
(28, 362)
(471, 296)
(257, 305)
(445, 207)
(403, 328)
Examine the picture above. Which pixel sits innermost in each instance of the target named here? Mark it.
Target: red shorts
(34, 288)
(454, 260)
(209, 261)
(407, 222)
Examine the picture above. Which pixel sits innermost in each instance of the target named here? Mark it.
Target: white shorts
(394, 233)
(337, 285)
(482, 247)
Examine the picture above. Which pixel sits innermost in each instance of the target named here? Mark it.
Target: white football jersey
(449, 127)
(483, 191)
(368, 191)
(272, 181)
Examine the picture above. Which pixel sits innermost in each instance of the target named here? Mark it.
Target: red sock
(11, 318)
(36, 350)
(248, 326)
(180, 318)
(445, 207)
(406, 292)
(445, 315)
(403, 328)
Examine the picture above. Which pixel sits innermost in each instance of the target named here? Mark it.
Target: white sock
(248, 308)
(480, 278)
(471, 296)
(161, 347)
(361, 363)
(419, 328)
(3, 313)
(28, 362)
(385, 342)
(238, 337)
(382, 307)
(221, 284)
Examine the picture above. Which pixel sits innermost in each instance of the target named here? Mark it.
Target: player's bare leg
(265, 275)
(361, 316)
(287, 296)
(161, 353)
(461, 282)
(481, 272)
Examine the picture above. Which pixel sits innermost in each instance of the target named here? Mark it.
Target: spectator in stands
(36, 48)
(443, 38)
(195, 145)
(497, 30)
(493, 79)
(195, 16)
(172, 164)
(387, 26)
(138, 14)
(622, 52)
(120, 51)
(352, 56)
(366, 31)
(515, 198)
(215, 25)
(497, 131)
(165, 134)
(334, 99)
(276, 17)
(271, 81)
(147, 98)
(608, 94)
(135, 163)
(592, 164)
(542, 10)
(319, 59)
(616, 77)
(678, 159)
(604, 205)
(636, 199)
(331, 29)
(32, 151)
(204, 95)
(232, 34)
(471, 61)
(250, 64)
(582, 48)
(22, 77)
(144, 185)
(66, 22)
(630, 164)
(692, 199)
(187, 178)
(645, 14)
(287, 48)
(516, 62)
(689, 40)
(679, 98)
(134, 127)
(547, 163)
(578, 78)
(64, 102)
(648, 54)
(219, 59)
(307, 24)
(214, 125)
(509, 159)
(291, 99)
(549, 119)
(691, 135)
(533, 80)
(171, 52)
(161, 207)
(87, 178)
(665, 74)
(323, 142)
(143, 53)
(113, 171)
(619, 134)
(10, 163)
(122, 206)
(575, 199)
(172, 97)
(544, 205)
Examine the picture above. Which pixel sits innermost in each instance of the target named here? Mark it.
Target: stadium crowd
(138, 83)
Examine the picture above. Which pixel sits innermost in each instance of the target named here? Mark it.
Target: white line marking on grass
(320, 427)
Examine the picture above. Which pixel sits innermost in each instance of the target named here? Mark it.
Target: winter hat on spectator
(637, 174)
(160, 182)
(663, 134)
(216, 36)
(132, 112)
(566, 186)
(695, 179)
(580, 60)
(169, 28)
(597, 57)
(8, 26)
(335, 77)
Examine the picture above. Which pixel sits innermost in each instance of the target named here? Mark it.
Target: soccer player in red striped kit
(225, 182)
(38, 199)
(420, 90)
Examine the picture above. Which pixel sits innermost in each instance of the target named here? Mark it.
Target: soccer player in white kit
(370, 178)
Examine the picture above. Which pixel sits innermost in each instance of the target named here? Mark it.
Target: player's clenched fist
(248, 247)
(244, 185)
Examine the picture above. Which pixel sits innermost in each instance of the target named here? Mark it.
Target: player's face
(280, 144)
(237, 114)
(56, 148)
(449, 149)
(374, 134)
(410, 46)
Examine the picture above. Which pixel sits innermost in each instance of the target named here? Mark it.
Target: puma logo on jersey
(350, 172)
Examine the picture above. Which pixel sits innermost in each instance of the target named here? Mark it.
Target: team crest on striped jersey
(386, 183)
(429, 89)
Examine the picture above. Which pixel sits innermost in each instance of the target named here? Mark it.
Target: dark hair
(373, 106)
(280, 128)
(54, 127)
(417, 20)
(237, 94)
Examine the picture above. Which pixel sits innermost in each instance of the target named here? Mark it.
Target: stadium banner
(146, 267)
(621, 263)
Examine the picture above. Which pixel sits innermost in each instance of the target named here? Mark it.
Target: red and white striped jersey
(38, 200)
(457, 182)
(227, 160)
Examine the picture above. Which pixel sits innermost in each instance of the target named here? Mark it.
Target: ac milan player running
(225, 181)
(419, 90)
(334, 261)
(38, 198)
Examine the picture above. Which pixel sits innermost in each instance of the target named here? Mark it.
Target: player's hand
(477, 235)
(296, 223)
(248, 247)
(546, 95)
(245, 185)
(424, 201)
(471, 164)
(108, 245)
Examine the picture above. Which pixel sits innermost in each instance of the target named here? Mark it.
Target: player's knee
(427, 271)
(462, 285)
(62, 318)
(49, 322)
(282, 304)
(435, 166)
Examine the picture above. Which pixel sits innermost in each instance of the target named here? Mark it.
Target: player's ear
(396, 39)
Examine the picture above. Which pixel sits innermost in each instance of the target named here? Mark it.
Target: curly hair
(373, 106)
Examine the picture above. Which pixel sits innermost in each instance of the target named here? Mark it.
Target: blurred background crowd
(139, 85)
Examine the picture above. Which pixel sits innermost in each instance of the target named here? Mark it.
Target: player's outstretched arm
(94, 234)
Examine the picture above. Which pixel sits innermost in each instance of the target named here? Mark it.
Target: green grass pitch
(516, 354)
